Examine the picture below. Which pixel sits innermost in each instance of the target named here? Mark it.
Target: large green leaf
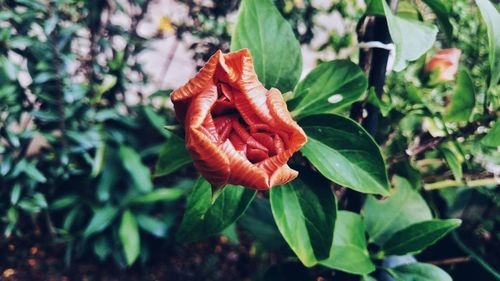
(129, 237)
(418, 236)
(331, 85)
(385, 217)
(492, 19)
(173, 156)
(463, 99)
(275, 50)
(204, 218)
(349, 252)
(412, 38)
(419, 272)
(345, 153)
(136, 169)
(442, 9)
(305, 216)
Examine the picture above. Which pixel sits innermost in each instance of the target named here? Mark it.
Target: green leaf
(160, 195)
(102, 248)
(411, 38)
(418, 236)
(102, 218)
(305, 216)
(492, 19)
(129, 237)
(492, 138)
(345, 153)
(137, 170)
(442, 9)
(330, 86)
(463, 99)
(155, 226)
(419, 272)
(173, 156)
(385, 217)
(270, 38)
(204, 218)
(384, 107)
(349, 252)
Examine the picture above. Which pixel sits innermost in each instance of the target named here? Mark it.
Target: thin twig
(168, 62)
(454, 183)
(451, 261)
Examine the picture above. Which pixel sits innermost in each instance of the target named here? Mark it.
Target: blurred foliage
(77, 142)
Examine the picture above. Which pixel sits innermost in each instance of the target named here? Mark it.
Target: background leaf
(442, 10)
(329, 86)
(129, 237)
(493, 137)
(492, 19)
(305, 216)
(385, 217)
(173, 156)
(463, 98)
(345, 153)
(275, 50)
(419, 272)
(101, 219)
(411, 38)
(204, 218)
(418, 236)
(349, 252)
(136, 169)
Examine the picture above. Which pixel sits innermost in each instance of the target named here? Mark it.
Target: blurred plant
(208, 22)
(77, 141)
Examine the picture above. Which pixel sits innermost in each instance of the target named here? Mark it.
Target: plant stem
(373, 61)
(450, 260)
(453, 183)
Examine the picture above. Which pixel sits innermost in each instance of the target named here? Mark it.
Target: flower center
(256, 141)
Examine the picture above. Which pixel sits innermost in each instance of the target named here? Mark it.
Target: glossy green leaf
(101, 220)
(418, 236)
(345, 153)
(139, 173)
(204, 218)
(463, 98)
(492, 138)
(331, 85)
(160, 195)
(173, 156)
(129, 237)
(305, 216)
(419, 272)
(492, 19)
(270, 38)
(442, 9)
(349, 252)
(385, 217)
(411, 38)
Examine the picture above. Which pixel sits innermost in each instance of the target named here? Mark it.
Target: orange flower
(237, 131)
(444, 64)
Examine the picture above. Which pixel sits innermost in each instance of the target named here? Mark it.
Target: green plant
(421, 124)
